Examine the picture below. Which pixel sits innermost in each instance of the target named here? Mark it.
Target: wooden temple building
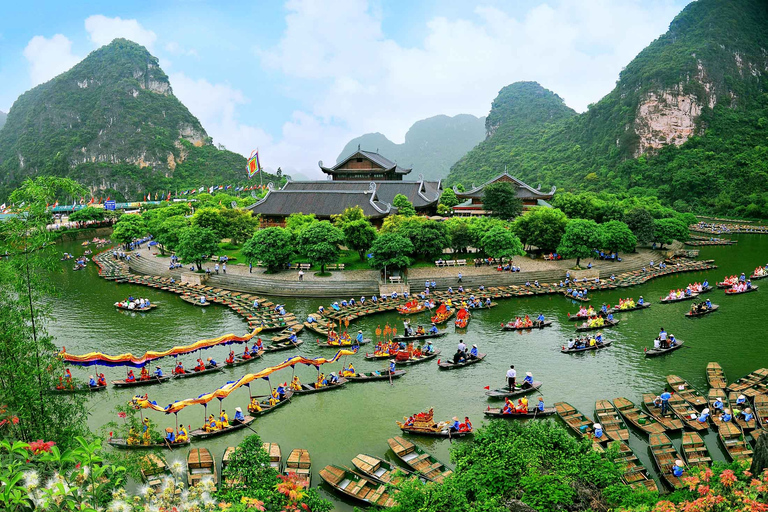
(472, 204)
(365, 179)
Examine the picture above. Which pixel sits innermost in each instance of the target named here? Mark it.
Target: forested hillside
(112, 123)
(687, 121)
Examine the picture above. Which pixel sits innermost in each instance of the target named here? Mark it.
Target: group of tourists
(664, 340)
(276, 396)
(741, 286)
(521, 407)
(629, 303)
(133, 304)
(741, 408)
(97, 382)
(576, 293)
(701, 307)
(698, 287)
(222, 422)
(178, 437)
(462, 355)
(678, 294)
(526, 322)
(760, 271)
(144, 374)
(585, 341)
(596, 322)
(419, 331)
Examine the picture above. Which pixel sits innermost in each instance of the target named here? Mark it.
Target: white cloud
(175, 48)
(103, 30)
(49, 57)
(360, 81)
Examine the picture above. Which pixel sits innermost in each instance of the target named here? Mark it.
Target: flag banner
(253, 166)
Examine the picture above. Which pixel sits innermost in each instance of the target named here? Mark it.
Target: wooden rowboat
(310, 388)
(716, 375)
(413, 360)
(732, 439)
(695, 451)
(761, 410)
(664, 455)
(195, 301)
(654, 352)
(81, 388)
(579, 423)
(373, 376)
(748, 381)
(574, 297)
(532, 413)
(691, 314)
(596, 346)
(712, 395)
(636, 417)
(275, 456)
(203, 434)
(356, 486)
(637, 307)
(381, 471)
(240, 360)
(511, 326)
(462, 318)
(448, 365)
(419, 460)
(634, 473)
(152, 466)
(667, 300)
(686, 391)
(687, 414)
(518, 391)
(606, 325)
(283, 345)
(200, 465)
(136, 309)
(670, 421)
(119, 442)
(403, 337)
(196, 373)
(352, 343)
(610, 419)
(139, 382)
(737, 408)
(300, 464)
(733, 292)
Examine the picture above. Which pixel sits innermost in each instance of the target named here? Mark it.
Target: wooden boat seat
(344, 483)
(379, 472)
(434, 467)
(423, 456)
(410, 456)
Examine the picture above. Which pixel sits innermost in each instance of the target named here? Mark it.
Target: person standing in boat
(663, 338)
(511, 376)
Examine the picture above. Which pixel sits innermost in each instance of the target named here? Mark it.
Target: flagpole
(261, 175)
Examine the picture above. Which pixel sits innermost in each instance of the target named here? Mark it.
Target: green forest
(713, 50)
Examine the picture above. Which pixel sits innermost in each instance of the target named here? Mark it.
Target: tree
(359, 235)
(296, 222)
(239, 225)
(128, 228)
(320, 243)
(403, 205)
(667, 230)
(459, 233)
(167, 233)
(348, 215)
(391, 250)
(428, 237)
(211, 218)
(88, 214)
(274, 247)
(29, 362)
(618, 237)
(580, 239)
(501, 200)
(641, 223)
(448, 198)
(501, 243)
(197, 244)
(479, 226)
(542, 227)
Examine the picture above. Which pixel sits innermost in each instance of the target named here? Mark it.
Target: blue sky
(299, 78)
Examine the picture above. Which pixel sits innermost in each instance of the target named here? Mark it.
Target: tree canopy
(89, 213)
(350, 214)
(617, 237)
(391, 250)
(542, 227)
(128, 228)
(580, 239)
(296, 222)
(320, 243)
(500, 242)
(641, 223)
(501, 200)
(404, 206)
(668, 230)
(274, 247)
(197, 244)
(428, 237)
(359, 235)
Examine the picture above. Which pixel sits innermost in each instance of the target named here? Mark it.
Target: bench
(335, 266)
(304, 266)
(440, 263)
(461, 263)
(395, 279)
(450, 263)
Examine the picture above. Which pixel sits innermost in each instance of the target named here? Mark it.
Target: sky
(298, 79)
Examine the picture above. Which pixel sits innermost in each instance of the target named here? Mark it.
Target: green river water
(336, 425)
